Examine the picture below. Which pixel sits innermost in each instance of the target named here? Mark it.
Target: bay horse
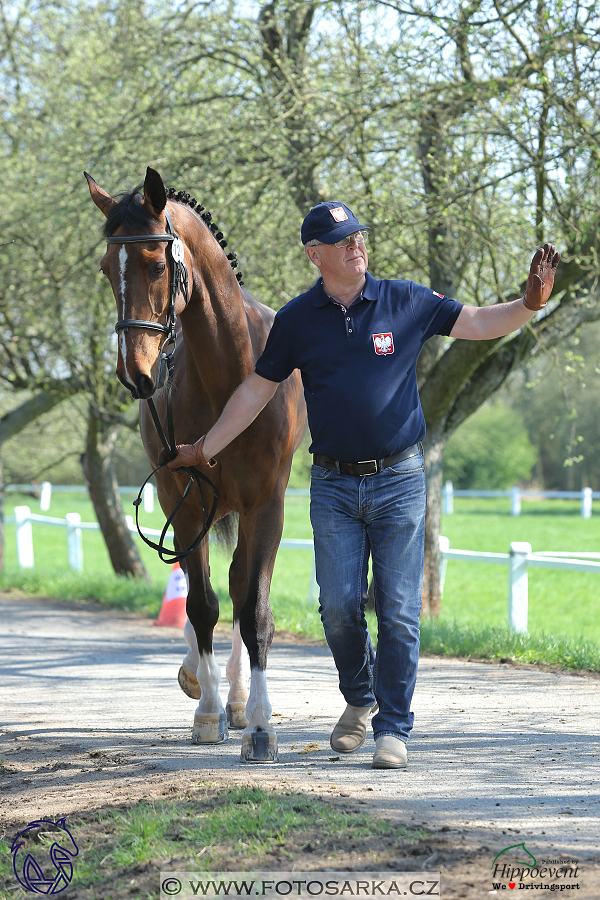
(224, 330)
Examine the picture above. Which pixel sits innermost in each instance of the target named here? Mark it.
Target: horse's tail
(225, 530)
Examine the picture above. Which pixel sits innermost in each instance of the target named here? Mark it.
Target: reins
(178, 282)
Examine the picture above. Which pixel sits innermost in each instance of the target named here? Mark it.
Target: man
(356, 341)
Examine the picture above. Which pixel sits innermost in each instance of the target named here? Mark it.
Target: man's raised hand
(541, 277)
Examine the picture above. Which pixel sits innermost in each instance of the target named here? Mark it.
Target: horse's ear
(102, 200)
(155, 194)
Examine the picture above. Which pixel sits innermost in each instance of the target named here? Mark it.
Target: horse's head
(140, 276)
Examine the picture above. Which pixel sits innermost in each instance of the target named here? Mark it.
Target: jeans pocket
(408, 466)
(320, 473)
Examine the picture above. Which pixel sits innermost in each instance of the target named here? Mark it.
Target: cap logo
(339, 214)
(384, 343)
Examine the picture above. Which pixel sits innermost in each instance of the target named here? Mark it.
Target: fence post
(517, 586)
(449, 498)
(45, 496)
(24, 537)
(148, 496)
(74, 542)
(444, 545)
(515, 501)
(586, 503)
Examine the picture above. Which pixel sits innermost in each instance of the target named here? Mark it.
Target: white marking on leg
(209, 676)
(238, 668)
(258, 707)
(192, 657)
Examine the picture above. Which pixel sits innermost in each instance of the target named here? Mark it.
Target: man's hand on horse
(188, 455)
(541, 277)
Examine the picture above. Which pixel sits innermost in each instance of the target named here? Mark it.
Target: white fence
(23, 519)
(519, 560)
(585, 497)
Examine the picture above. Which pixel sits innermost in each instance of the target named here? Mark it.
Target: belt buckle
(369, 462)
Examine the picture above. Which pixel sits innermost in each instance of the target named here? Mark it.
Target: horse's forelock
(130, 213)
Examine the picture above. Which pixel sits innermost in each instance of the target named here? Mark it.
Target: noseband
(178, 282)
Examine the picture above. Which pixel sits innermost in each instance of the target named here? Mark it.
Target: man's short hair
(313, 243)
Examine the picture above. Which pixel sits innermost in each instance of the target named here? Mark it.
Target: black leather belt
(365, 466)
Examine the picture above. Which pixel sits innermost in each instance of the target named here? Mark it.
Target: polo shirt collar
(370, 291)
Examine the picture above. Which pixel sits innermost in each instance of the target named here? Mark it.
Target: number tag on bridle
(177, 251)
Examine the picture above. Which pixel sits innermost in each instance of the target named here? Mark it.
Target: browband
(138, 238)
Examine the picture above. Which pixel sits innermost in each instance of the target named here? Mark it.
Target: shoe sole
(388, 765)
(338, 750)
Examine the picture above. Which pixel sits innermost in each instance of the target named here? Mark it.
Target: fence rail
(585, 496)
(518, 560)
(23, 519)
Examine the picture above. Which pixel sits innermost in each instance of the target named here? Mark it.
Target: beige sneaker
(390, 753)
(351, 730)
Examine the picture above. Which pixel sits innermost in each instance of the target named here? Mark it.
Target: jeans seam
(359, 609)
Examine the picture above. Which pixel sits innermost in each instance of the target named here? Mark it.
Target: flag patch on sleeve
(441, 296)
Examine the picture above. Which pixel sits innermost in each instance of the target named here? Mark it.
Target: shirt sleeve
(435, 314)
(277, 360)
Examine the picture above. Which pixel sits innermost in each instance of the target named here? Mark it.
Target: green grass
(448, 638)
(216, 829)
(562, 604)
(565, 604)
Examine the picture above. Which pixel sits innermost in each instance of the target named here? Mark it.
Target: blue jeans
(383, 516)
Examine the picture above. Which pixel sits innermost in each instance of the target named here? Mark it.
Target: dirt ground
(92, 718)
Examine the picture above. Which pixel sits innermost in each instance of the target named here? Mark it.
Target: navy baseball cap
(329, 222)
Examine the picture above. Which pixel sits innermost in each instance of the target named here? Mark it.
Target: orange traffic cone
(172, 611)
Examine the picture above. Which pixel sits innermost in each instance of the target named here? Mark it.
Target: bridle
(178, 282)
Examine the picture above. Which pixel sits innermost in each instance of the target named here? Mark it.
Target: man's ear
(314, 256)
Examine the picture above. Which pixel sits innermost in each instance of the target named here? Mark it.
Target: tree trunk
(434, 457)
(98, 468)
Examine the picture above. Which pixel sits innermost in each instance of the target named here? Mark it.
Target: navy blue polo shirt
(358, 365)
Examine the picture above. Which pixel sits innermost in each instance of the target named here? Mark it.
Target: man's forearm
(482, 323)
(241, 409)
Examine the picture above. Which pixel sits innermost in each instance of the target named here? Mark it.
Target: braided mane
(188, 200)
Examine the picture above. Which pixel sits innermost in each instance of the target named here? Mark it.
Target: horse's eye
(158, 268)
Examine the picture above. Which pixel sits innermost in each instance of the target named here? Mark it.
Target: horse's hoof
(189, 684)
(209, 728)
(236, 714)
(259, 746)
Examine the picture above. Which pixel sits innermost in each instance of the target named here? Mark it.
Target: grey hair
(313, 243)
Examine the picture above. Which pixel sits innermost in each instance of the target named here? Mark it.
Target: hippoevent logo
(42, 856)
(515, 868)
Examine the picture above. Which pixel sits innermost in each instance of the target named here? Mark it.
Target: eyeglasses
(358, 236)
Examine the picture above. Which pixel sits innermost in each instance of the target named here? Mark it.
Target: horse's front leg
(262, 531)
(210, 724)
(237, 665)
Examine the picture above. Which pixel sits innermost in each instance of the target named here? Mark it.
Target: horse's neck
(215, 331)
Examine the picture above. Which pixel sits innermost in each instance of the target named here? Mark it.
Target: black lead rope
(179, 282)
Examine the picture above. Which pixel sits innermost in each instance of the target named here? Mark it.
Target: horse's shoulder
(257, 312)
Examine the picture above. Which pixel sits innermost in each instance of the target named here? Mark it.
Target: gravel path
(90, 711)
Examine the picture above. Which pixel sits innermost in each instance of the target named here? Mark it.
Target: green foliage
(492, 450)
(558, 398)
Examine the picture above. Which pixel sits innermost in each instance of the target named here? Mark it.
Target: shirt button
(349, 331)
(348, 319)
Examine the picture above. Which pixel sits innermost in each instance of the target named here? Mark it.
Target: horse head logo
(50, 871)
(520, 862)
